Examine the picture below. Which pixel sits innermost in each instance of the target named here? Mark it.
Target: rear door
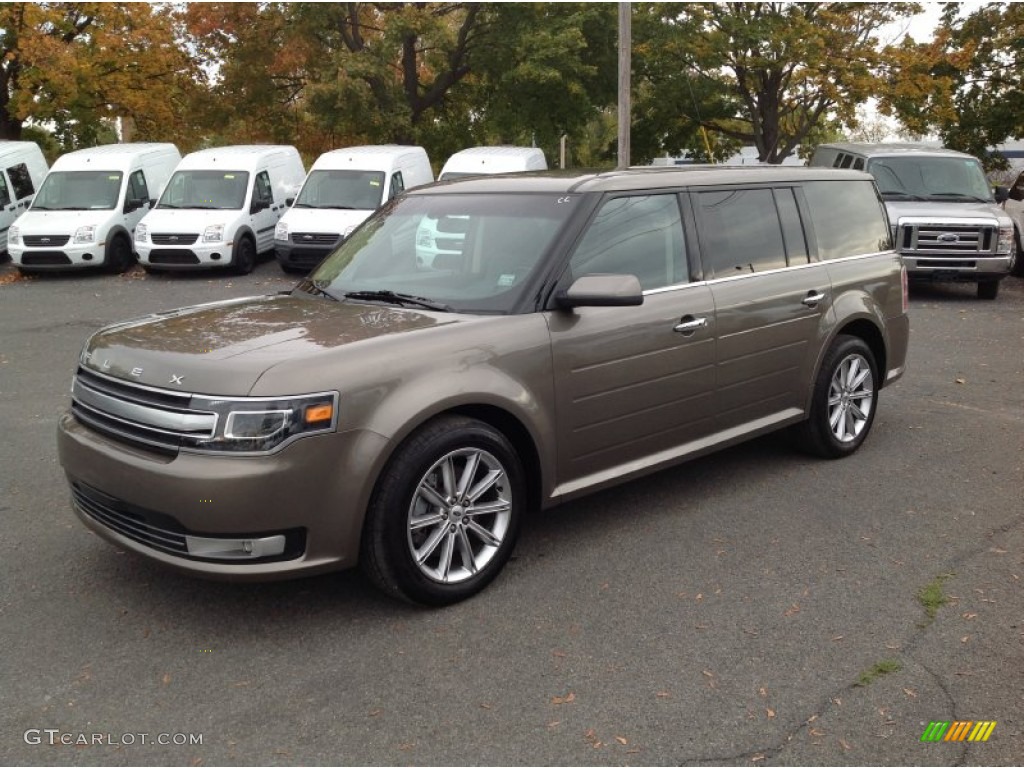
(632, 384)
(771, 301)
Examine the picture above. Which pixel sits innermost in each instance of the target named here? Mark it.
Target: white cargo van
(343, 188)
(22, 170)
(88, 207)
(220, 208)
(487, 160)
(475, 161)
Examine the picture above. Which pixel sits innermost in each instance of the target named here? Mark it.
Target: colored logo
(958, 730)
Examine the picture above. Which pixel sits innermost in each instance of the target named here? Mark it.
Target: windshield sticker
(506, 280)
(113, 178)
(229, 175)
(374, 183)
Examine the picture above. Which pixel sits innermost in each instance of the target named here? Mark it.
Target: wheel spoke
(848, 424)
(425, 521)
(467, 551)
(487, 482)
(834, 418)
(444, 567)
(485, 536)
(428, 549)
(448, 477)
(857, 412)
(489, 508)
(468, 473)
(431, 496)
(851, 367)
(860, 379)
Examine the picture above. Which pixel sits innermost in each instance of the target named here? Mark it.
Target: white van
(476, 161)
(220, 208)
(343, 188)
(22, 170)
(88, 207)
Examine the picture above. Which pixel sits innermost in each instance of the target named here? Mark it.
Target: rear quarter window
(848, 218)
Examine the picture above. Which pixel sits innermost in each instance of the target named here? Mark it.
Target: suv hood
(942, 210)
(223, 348)
(323, 220)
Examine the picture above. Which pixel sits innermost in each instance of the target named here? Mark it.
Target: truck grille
(45, 241)
(163, 238)
(947, 239)
(155, 418)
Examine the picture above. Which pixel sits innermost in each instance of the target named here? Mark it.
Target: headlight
(141, 233)
(13, 235)
(251, 424)
(281, 231)
(1005, 244)
(85, 234)
(214, 234)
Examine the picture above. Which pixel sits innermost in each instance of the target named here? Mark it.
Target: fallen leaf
(770, 712)
(707, 673)
(485, 706)
(965, 638)
(845, 745)
(663, 694)
(910, 693)
(961, 381)
(794, 608)
(376, 712)
(621, 740)
(817, 732)
(763, 691)
(406, 747)
(554, 723)
(756, 758)
(970, 616)
(558, 654)
(167, 678)
(837, 638)
(568, 699)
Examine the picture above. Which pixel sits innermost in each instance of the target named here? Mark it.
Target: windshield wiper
(961, 195)
(399, 298)
(909, 195)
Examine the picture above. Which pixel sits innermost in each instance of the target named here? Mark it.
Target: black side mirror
(258, 205)
(1002, 194)
(289, 201)
(152, 202)
(132, 205)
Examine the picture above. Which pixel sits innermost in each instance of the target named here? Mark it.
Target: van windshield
(449, 175)
(470, 253)
(206, 190)
(79, 191)
(930, 177)
(342, 189)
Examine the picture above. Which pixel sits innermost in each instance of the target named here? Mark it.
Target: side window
(21, 181)
(858, 164)
(838, 160)
(792, 227)
(397, 185)
(740, 231)
(263, 191)
(849, 218)
(5, 195)
(847, 161)
(137, 189)
(640, 235)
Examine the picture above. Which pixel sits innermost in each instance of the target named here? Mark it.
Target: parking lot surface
(752, 607)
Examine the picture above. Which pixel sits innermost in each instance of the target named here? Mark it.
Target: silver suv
(946, 223)
(587, 330)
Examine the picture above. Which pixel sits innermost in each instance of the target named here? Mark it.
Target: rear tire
(243, 260)
(844, 400)
(988, 289)
(445, 514)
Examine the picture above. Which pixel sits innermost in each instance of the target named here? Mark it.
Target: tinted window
(640, 236)
(5, 195)
(740, 231)
(21, 180)
(1017, 190)
(397, 185)
(847, 160)
(137, 189)
(224, 190)
(848, 218)
(263, 191)
(792, 227)
(930, 177)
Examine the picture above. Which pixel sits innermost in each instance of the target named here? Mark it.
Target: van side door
(264, 212)
(633, 385)
(772, 302)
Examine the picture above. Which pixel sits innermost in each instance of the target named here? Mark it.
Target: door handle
(688, 324)
(812, 299)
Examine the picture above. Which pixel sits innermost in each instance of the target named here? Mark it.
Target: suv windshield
(930, 177)
(214, 190)
(356, 190)
(79, 191)
(471, 253)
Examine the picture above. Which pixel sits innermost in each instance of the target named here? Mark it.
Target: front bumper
(958, 267)
(300, 511)
(299, 256)
(67, 256)
(198, 255)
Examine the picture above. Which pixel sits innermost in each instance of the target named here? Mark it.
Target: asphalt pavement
(755, 607)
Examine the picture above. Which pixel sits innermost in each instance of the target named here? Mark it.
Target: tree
(786, 65)
(80, 65)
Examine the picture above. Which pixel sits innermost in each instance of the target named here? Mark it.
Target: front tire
(988, 289)
(445, 514)
(844, 400)
(243, 260)
(119, 255)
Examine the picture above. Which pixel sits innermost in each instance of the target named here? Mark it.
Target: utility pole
(625, 63)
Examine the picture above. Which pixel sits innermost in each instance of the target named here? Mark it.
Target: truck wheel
(119, 255)
(1017, 260)
(843, 402)
(988, 289)
(445, 513)
(243, 260)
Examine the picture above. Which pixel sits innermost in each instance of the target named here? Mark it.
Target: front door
(265, 212)
(632, 384)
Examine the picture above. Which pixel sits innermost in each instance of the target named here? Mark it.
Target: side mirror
(258, 205)
(602, 291)
(152, 202)
(132, 205)
(1002, 194)
(290, 201)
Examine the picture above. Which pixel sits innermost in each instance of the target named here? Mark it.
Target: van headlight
(13, 235)
(261, 425)
(213, 234)
(85, 234)
(141, 233)
(281, 231)
(1005, 244)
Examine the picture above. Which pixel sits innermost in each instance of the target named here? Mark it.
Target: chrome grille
(171, 238)
(948, 239)
(153, 417)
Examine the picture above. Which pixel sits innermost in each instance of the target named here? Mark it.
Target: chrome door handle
(813, 299)
(689, 324)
